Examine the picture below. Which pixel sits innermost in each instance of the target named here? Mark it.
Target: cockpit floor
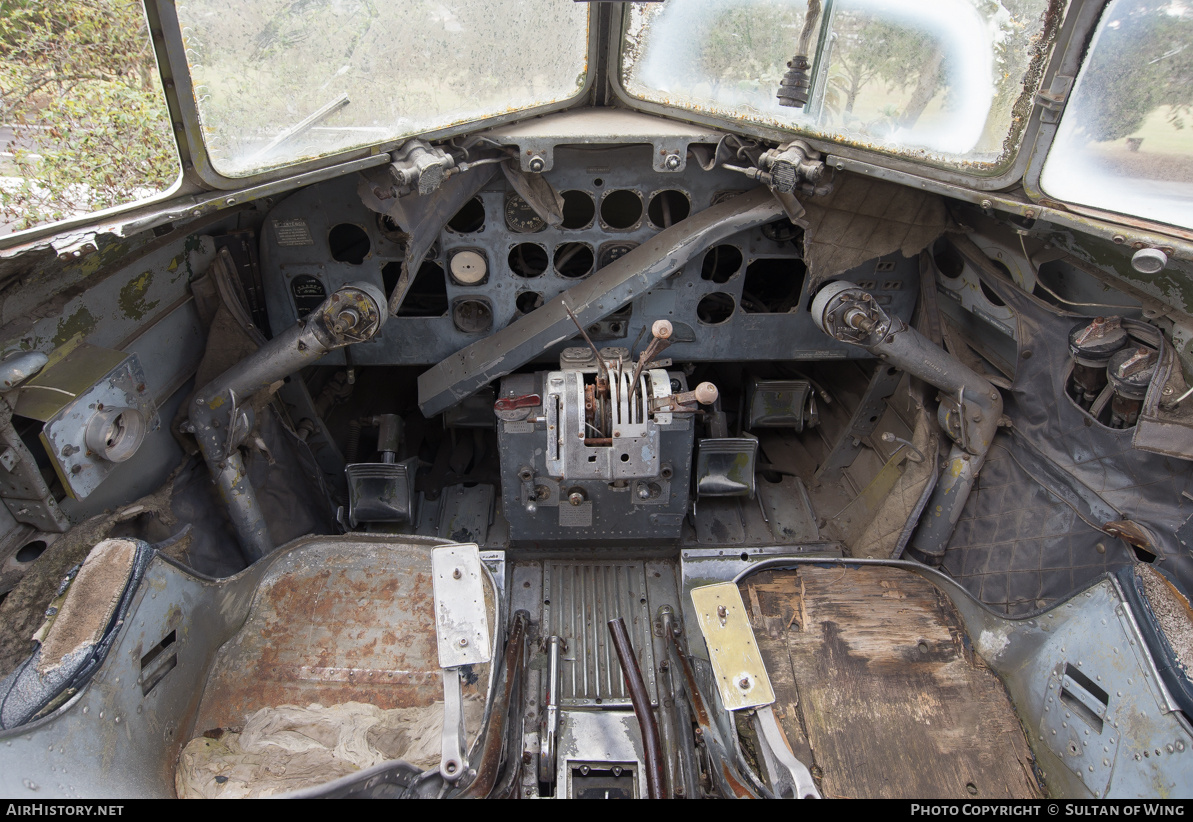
(872, 669)
(330, 624)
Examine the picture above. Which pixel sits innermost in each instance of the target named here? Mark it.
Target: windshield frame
(196, 162)
(866, 157)
(1072, 55)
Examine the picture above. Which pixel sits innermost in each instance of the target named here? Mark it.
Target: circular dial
(613, 251)
(468, 267)
(520, 217)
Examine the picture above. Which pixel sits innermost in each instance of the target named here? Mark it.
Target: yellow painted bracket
(736, 661)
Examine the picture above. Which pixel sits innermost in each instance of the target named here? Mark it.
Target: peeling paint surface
(334, 624)
(132, 296)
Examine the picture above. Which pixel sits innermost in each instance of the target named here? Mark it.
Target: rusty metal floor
(330, 623)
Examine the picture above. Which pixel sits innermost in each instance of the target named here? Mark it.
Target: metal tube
(970, 405)
(724, 774)
(488, 764)
(244, 511)
(687, 783)
(550, 728)
(652, 751)
(667, 732)
(221, 419)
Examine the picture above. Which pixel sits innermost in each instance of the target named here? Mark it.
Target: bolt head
(537, 164)
(463, 642)
(672, 162)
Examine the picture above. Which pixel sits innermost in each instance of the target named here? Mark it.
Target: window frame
(171, 48)
(1011, 174)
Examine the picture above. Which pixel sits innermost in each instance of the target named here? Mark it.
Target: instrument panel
(497, 261)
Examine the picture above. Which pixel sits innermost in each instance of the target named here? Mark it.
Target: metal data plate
(736, 662)
(461, 622)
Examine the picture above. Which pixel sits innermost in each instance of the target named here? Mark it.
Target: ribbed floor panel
(578, 601)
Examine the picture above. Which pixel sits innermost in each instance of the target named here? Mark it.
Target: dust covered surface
(23, 611)
(288, 748)
(334, 624)
(93, 598)
(873, 673)
(864, 218)
(1172, 612)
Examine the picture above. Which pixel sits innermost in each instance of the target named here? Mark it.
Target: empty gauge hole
(578, 209)
(667, 208)
(349, 243)
(772, 285)
(472, 316)
(470, 218)
(574, 260)
(427, 296)
(988, 291)
(621, 209)
(947, 259)
(720, 263)
(528, 259)
(528, 301)
(31, 550)
(715, 308)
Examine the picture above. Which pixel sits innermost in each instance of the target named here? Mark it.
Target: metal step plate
(579, 599)
(736, 661)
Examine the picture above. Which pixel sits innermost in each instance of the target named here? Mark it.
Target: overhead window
(1125, 142)
(281, 81)
(949, 82)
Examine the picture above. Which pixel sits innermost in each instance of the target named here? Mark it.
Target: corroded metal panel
(334, 624)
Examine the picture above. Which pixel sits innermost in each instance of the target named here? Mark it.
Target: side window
(83, 124)
(1125, 141)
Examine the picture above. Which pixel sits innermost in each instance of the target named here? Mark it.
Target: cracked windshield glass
(1125, 142)
(83, 124)
(948, 82)
(280, 81)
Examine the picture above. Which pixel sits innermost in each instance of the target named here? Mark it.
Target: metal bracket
(736, 661)
(97, 409)
(1053, 100)
(22, 486)
(742, 682)
(462, 630)
(790, 777)
(872, 406)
